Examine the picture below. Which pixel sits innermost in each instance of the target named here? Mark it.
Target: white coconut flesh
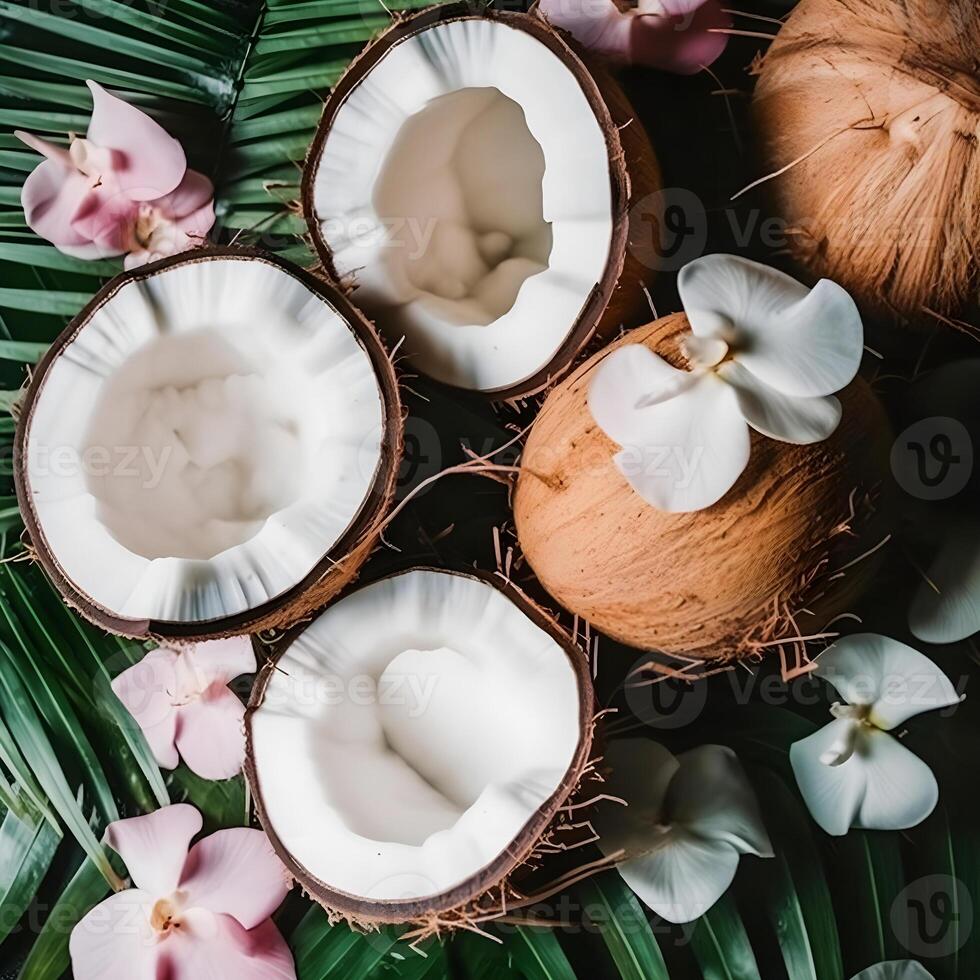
(464, 184)
(203, 441)
(410, 733)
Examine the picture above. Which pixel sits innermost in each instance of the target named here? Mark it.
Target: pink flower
(124, 188)
(202, 912)
(680, 36)
(180, 699)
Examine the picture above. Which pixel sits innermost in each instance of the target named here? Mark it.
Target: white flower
(687, 821)
(946, 608)
(895, 970)
(853, 773)
(766, 351)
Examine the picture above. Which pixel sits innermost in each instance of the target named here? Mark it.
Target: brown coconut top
(633, 171)
(487, 890)
(714, 583)
(335, 569)
(873, 106)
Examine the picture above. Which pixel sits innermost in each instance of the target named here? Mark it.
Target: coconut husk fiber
(871, 108)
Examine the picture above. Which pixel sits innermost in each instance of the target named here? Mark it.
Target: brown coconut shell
(618, 299)
(873, 106)
(335, 570)
(491, 891)
(728, 581)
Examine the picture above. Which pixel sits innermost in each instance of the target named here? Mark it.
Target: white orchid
(946, 608)
(766, 352)
(895, 970)
(853, 773)
(687, 821)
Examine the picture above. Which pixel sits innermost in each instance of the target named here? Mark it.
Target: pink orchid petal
(135, 259)
(215, 662)
(107, 216)
(672, 35)
(235, 872)
(114, 941)
(147, 692)
(51, 196)
(193, 193)
(154, 847)
(51, 150)
(216, 947)
(683, 40)
(147, 161)
(211, 735)
(598, 25)
(197, 224)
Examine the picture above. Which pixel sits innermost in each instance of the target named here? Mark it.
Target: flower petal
(598, 25)
(796, 420)
(191, 194)
(201, 665)
(900, 790)
(682, 879)
(640, 772)
(211, 735)
(952, 613)
(53, 151)
(713, 799)
(672, 35)
(805, 343)
(683, 37)
(900, 682)
(235, 872)
(832, 794)
(147, 161)
(882, 786)
(154, 846)
(51, 196)
(114, 940)
(216, 947)
(107, 216)
(693, 449)
(147, 692)
(627, 382)
(895, 970)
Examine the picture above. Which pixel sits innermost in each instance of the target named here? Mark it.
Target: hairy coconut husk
(332, 573)
(872, 110)
(501, 886)
(758, 568)
(618, 299)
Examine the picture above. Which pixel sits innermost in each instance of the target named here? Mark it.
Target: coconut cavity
(459, 197)
(420, 732)
(462, 179)
(777, 557)
(201, 439)
(223, 444)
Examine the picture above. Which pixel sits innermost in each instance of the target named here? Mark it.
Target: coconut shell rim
(363, 911)
(372, 507)
(560, 44)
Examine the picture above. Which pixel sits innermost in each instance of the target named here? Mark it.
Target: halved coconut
(468, 175)
(409, 748)
(208, 447)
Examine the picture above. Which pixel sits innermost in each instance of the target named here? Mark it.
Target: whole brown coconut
(762, 565)
(870, 109)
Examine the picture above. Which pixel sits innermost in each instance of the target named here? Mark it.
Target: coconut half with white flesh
(469, 176)
(409, 748)
(208, 448)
